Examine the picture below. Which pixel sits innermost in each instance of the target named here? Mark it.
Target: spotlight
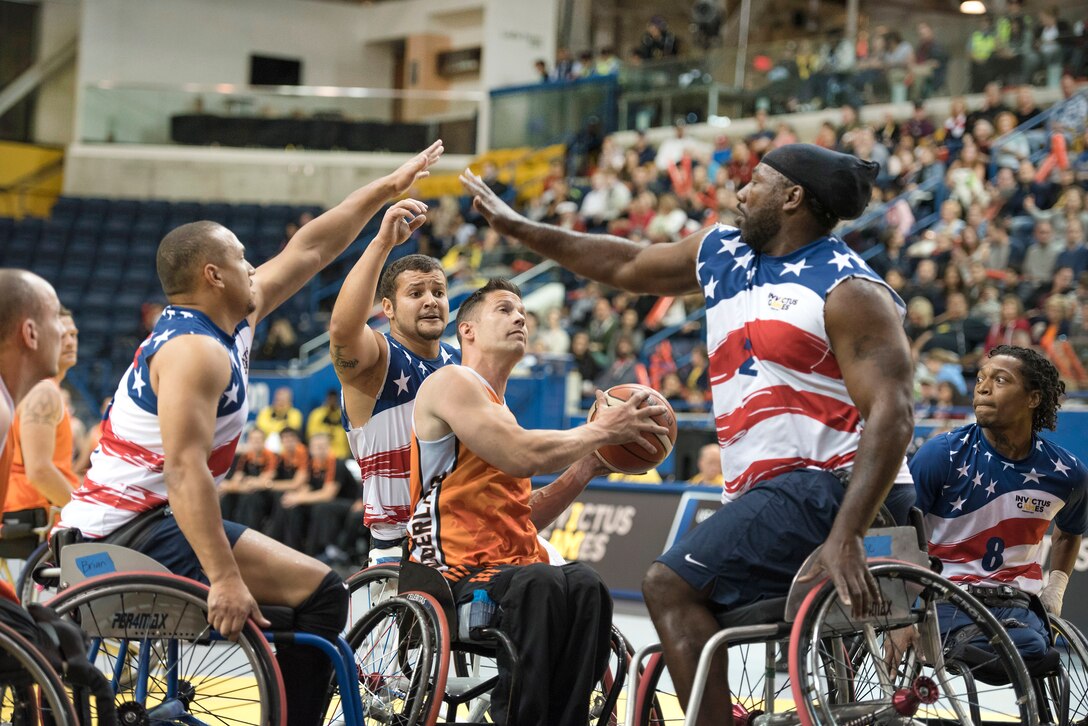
(972, 7)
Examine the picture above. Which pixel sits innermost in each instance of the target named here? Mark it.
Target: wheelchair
(31, 692)
(888, 667)
(388, 642)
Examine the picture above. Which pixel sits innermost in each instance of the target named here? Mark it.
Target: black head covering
(842, 183)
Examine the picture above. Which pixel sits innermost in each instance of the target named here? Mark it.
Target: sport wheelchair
(888, 667)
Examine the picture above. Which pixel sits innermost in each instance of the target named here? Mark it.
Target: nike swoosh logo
(692, 560)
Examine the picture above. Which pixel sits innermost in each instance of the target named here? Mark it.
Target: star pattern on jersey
(169, 312)
(841, 260)
(958, 504)
(709, 288)
(1006, 465)
(407, 356)
(794, 268)
(185, 313)
(1033, 476)
(446, 357)
(231, 394)
(731, 245)
(977, 481)
(402, 383)
(138, 382)
(991, 490)
(1060, 467)
(163, 337)
(422, 368)
(741, 263)
(1039, 445)
(964, 471)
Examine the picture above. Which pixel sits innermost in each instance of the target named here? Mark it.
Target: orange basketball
(632, 458)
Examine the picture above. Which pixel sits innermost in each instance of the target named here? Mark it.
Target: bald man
(30, 337)
(179, 411)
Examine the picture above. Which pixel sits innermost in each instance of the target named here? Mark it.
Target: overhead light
(972, 7)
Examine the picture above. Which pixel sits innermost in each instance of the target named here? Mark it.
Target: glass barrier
(550, 113)
(307, 117)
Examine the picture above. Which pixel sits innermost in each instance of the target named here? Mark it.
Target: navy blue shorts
(166, 545)
(751, 548)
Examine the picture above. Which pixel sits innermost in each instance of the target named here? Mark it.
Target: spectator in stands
(1009, 149)
(980, 49)
(919, 126)
(565, 68)
(278, 415)
(992, 105)
(1012, 328)
(930, 64)
(898, 62)
(925, 283)
(1075, 254)
(669, 221)
(587, 364)
(607, 63)
(955, 126)
(742, 162)
(1040, 259)
(708, 467)
(293, 457)
(1045, 54)
(541, 67)
(1026, 107)
(657, 41)
(553, 339)
(606, 201)
(625, 366)
(696, 374)
(281, 342)
(326, 419)
(1051, 333)
(603, 326)
(1015, 32)
(950, 221)
(955, 330)
(325, 479)
(251, 477)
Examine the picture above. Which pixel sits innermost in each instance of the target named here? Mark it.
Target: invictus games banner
(620, 529)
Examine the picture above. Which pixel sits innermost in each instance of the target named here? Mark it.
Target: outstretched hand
(416, 168)
(844, 562)
(498, 213)
(401, 220)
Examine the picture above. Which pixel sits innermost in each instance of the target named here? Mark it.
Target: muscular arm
(452, 399)
(355, 347)
(1064, 548)
(39, 414)
(322, 240)
(549, 502)
(661, 269)
(867, 338)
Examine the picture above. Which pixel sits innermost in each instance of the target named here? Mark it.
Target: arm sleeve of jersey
(1073, 518)
(930, 468)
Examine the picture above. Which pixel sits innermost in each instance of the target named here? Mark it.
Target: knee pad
(325, 611)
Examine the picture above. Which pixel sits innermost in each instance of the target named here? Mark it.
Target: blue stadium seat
(218, 212)
(247, 213)
(88, 224)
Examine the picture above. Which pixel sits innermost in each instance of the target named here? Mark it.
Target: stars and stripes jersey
(126, 474)
(986, 515)
(383, 444)
(467, 514)
(780, 402)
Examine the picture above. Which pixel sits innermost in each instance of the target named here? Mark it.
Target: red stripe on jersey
(221, 458)
(1034, 571)
(770, 468)
(774, 401)
(390, 515)
(143, 500)
(777, 342)
(1012, 532)
(133, 453)
(395, 463)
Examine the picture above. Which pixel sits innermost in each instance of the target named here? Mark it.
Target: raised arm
(39, 414)
(868, 341)
(191, 379)
(661, 269)
(452, 399)
(318, 243)
(353, 345)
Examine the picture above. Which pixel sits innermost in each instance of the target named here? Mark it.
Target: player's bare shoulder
(192, 357)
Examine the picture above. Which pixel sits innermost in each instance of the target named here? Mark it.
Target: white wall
(55, 111)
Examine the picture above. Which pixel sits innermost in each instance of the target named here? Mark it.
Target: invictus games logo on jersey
(139, 621)
(778, 302)
(1034, 505)
(584, 531)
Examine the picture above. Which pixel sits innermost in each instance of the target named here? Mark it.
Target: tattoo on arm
(41, 410)
(340, 362)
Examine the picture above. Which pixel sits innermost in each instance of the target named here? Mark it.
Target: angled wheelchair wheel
(1073, 647)
(394, 646)
(151, 638)
(604, 701)
(31, 692)
(29, 590)
(894, 665)
(369, 587)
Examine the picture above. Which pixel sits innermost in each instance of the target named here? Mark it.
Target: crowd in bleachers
(979, 226)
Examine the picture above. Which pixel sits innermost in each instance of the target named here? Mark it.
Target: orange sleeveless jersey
(466, 514)
(21, 493)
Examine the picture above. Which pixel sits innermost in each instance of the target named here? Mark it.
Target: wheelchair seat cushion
(988, 668)
(763, 612)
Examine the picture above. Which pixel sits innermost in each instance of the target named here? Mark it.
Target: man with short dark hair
(180, 409)
(805, 342)
(30, 338)
(475, 515)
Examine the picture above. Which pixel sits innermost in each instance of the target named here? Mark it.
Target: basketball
(632, 458)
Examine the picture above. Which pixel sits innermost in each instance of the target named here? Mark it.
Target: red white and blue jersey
(126, 474)
(987, 515)
(382, 446)
(780, 403)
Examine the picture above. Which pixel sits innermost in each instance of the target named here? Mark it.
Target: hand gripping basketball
(634, 456)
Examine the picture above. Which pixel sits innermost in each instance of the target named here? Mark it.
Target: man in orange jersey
(475, 516)
(41, 470)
